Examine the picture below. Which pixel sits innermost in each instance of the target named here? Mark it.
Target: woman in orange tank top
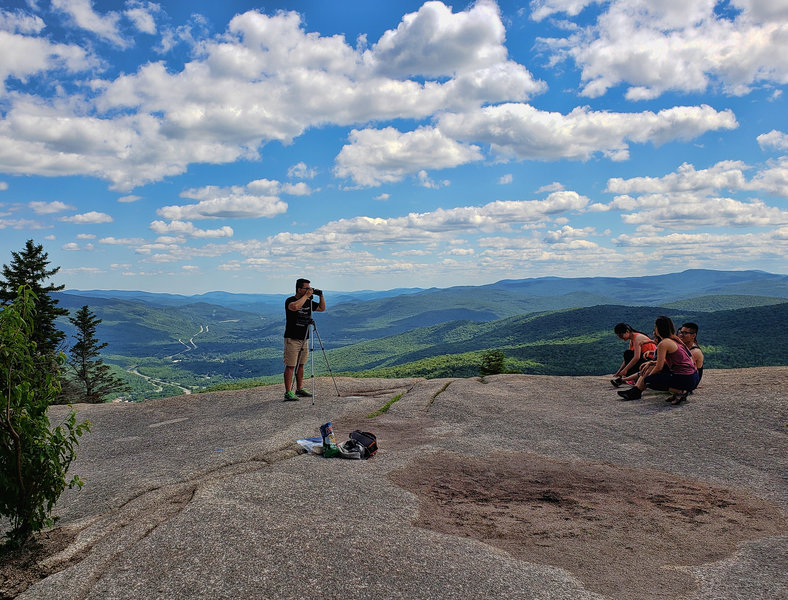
(639, 347)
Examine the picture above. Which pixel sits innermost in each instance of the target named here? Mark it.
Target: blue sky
(194, 146)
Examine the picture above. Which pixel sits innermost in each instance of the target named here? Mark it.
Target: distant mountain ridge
(650, 289)
(238, 301)
(658, 289)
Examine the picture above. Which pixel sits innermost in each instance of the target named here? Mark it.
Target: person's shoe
(303, 393)
(617, 381)
(630, 394)
(290, 396)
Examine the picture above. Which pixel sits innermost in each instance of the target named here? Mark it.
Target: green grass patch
(439, 392)
(384, 408)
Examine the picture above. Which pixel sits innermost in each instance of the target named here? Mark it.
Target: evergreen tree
(93, 378)
(34, 455)
(493, 362)
(29, 268)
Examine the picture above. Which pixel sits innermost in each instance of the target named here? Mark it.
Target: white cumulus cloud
(48, 208)
(685, 211)
(143, 126)
(234, 206)
(437, 42)
(141, 14)
(27, 56)
(524, 132)
(19, 22)
(774, 140)
(726, 175)
(89, 218)
(655, 47)
(113, 241)
(82, 15)
(377, 156)
(187, 228)
(254, 200)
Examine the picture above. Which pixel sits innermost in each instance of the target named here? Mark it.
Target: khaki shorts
(291, 352)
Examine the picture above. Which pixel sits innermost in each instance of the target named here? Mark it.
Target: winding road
(158, 383)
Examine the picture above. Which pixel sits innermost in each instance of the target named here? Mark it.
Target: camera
(317, 292)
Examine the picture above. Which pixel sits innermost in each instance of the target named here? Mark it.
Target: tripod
(309, 343)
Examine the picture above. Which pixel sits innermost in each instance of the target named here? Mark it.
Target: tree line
(85, 377)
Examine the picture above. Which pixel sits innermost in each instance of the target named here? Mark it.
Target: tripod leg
(317, 333)
(312, 366)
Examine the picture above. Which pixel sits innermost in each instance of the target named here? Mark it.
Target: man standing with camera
(298, 318)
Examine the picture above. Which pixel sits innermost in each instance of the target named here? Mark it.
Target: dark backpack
(366, 440)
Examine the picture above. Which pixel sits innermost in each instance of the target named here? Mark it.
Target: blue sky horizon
(202, 146)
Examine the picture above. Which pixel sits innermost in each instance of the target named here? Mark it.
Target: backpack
(351, 449)
(366, 440)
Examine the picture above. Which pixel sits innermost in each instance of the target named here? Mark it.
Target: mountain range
(549, 324)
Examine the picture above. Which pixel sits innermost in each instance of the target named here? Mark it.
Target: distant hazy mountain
(657, 289)
(149, 297)
(648, 290)
(263, 303)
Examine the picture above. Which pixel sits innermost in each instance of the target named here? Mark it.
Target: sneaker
(617, 381)
(630, 394)
(290, 396)
(303, 393)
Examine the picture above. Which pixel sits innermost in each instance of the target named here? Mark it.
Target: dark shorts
(629, 355)
(665, 380)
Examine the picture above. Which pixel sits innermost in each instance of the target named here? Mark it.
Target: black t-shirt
(297, 321)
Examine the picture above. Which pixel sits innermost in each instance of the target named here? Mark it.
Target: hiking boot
(630, 394)
(290, 396)
(303, 393)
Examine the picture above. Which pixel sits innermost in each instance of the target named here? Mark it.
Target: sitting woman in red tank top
(681, 375)
(640, 345)
(688, 333)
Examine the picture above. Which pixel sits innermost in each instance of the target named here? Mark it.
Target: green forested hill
(723, 302)
(568, 342)
(137, 329)
(353, 322)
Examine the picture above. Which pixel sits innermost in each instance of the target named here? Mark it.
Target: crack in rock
(104, 539)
